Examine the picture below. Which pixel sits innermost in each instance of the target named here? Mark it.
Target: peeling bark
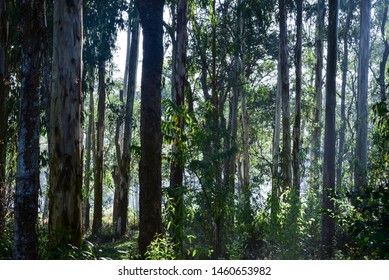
(65, 225)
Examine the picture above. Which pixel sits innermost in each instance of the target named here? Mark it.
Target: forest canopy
(257, 130)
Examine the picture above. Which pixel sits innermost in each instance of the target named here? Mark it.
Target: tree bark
(124, 164)
(360, 175)
(317, 123)
(342, 129)
(297, 118)
(150, 219)
(3, 107)
(381, 79)
(286, 138)
(328, 222)
(99, 160)
(177, 165)
(90, 148)
(276, 150)
(65, 225)
(27, 168)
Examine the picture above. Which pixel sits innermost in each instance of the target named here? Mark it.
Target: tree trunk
(27, 168)
(124, 164)
(360, 176)
(381, 79)
(90, 148)
(3, 107)
(65, 225)
(276, 150)
(342, 129)
(297, 118)
(317, 124)
(99, 160)
(150, 223)
(328, 222)
(286, 145)
(177, 166)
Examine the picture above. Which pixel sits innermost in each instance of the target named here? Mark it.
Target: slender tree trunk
(124, 164)
(276, 150)
(177, 165)
(27, 168)
(317, 123)
(286, 144)
(99, 160)
(3, 107)
(65, 224)
(150, 223)
(328, 222)
(360, 176)
(381, 79)
(90, 148)
(342, 129)
(297, 118)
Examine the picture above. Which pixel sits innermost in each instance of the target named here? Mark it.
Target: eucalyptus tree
(297, 118)
(317, 123)
(328, 222)
(360, 175)
(385, 54)
(124, 155)
(179, 87)
(150, 216)
(65, 135)
(284, 76)
(27, 170)
(102, 20)
(342, 129)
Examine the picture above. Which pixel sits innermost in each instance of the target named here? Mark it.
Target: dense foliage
(233, 202)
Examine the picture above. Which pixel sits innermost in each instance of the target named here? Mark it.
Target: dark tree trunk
(328, 222)
(177, 166)
(297, 118)
(150, 223)
(65, 150)
(284, 68)
(27, 168)
(99, 160)
(381, 79)
(360, 176)
(3, 107)
(317, 123)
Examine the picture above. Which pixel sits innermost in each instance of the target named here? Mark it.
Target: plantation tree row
(257, 129)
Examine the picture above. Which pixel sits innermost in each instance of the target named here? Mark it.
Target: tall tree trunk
(342, 129)
(3, 107)
(381, 79)
(328, 222)
(99, 160)
(297, 118)
(177, 165)
(150, 219)
(90, 148)
(65, 224)
(276, 149)
(317, 124)
(286, 145)
(27, 168)
(360, 176)
(124, 164)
